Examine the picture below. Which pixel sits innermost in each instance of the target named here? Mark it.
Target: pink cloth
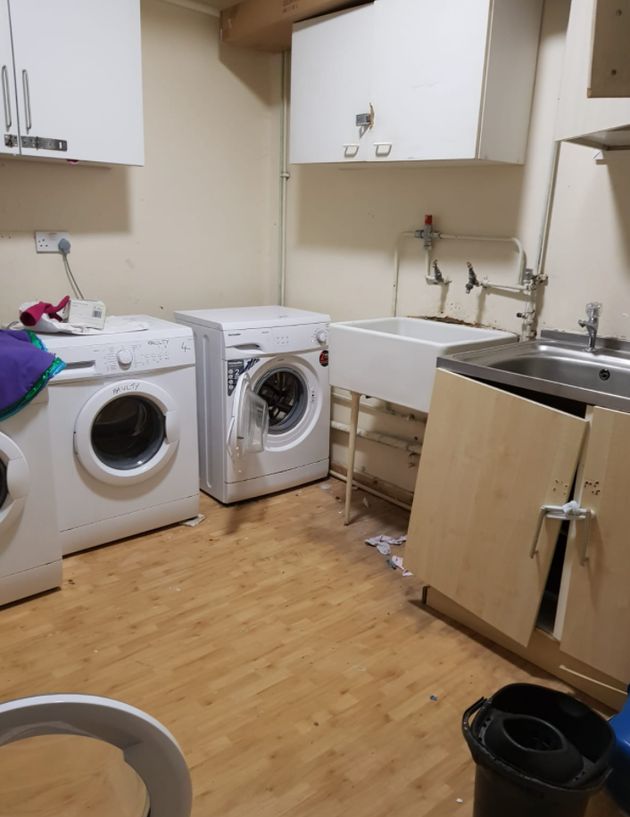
(33, 314)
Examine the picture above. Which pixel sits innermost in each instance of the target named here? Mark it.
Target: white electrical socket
(49, 242)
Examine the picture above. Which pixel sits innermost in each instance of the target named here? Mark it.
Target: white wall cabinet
(73, 80)
(598, 122)
(413, 80)
(9, 141)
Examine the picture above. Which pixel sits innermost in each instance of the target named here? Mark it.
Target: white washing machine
(124, 433)
(263, 398)
(30, 548)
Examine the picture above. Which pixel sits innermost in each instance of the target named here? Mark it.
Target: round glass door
(128, 432)
(14, 481)
(285, 392)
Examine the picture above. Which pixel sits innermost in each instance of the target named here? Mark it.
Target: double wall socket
(49, 242)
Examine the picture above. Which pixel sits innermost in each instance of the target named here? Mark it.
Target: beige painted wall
(344, 222)
(197, 225)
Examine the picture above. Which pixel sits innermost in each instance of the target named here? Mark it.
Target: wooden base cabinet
(490, 462)
(593, 622)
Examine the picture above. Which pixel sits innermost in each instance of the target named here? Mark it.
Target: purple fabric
(21, 366)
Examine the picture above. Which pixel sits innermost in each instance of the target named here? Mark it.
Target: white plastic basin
(394, 358)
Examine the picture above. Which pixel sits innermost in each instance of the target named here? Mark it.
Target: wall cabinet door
(598, 122)
(330, 85)
(597, 613)
(79, 81)
(447, 81)
(489, 461)
(610, 61)
(8, 99)
(428, 78)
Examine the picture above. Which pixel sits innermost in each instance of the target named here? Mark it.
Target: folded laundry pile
(25, 368)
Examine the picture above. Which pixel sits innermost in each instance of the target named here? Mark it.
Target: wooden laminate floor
(295, 668)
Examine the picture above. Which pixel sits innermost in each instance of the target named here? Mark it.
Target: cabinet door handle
(383, 148)
(570, 511)
(8, 118)
(27, 100)
(350, 149)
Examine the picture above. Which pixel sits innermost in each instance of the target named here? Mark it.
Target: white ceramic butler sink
(394, 358)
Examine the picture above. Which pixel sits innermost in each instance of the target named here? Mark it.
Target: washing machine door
(14, 481)
(127, 432)
(249, 423)
(147, 748)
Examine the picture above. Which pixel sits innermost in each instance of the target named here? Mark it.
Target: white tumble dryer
(124, 432)
(263, 398)
(30, 549)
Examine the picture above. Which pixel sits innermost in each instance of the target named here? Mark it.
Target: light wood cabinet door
(595, 601)
(489, 461)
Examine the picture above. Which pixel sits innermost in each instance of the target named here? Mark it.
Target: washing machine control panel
(130, 354)
(275, 339)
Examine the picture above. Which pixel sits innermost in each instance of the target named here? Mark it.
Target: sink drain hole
(604, 374)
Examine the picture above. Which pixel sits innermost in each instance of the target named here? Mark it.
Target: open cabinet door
(249, 424)
(595, 595)
(489, 461)
(164, 787)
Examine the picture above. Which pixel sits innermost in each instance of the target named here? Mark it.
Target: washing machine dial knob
(321, 336)
(124, 357)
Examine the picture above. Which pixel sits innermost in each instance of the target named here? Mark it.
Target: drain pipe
(428, 235)
(402, 444)
(369, 490)
(284, 178)
(401, 236)
(340, 395)
(540, 276)
(522, 285)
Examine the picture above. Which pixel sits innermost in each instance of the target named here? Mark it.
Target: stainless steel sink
(557, 364)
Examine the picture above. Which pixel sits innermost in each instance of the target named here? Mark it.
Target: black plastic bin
(539, 753)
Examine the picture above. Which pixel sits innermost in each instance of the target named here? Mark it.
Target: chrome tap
(591, 324)
(473, 281)
(436, 276)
